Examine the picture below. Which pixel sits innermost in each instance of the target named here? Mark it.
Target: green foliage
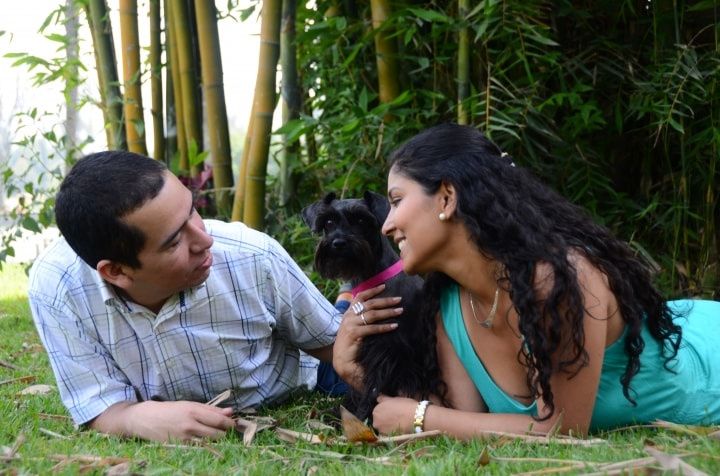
(614, 104)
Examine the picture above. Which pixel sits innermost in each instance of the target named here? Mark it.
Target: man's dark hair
(98, 192)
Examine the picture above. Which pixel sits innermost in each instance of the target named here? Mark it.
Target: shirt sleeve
(88, 379)
(303, 316)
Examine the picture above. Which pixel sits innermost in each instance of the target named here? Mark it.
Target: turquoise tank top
(688, 393)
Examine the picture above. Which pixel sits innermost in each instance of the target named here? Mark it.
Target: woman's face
(413, 223)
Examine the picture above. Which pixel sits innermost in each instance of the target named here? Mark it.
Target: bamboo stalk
(156, 108)
(188, 84)
(463, 72)
(385, 52)
(263, 106)
(133, 106)
(183, 162)
(290, 93)
(214, 93)
(101, 29)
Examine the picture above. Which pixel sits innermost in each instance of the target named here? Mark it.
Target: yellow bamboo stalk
(129, 38)
(156, 108)
(171, 42)
(263, 106)
(239, 199)
(214, 95)
(385, 52)
(188, 84)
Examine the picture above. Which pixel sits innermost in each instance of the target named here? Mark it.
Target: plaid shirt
(239, 330)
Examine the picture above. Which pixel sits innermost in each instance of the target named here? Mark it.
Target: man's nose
(201, 240)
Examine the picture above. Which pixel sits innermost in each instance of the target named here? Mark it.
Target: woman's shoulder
(589, 276)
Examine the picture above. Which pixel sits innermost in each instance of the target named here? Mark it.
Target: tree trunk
(171, 43)
(155, 60)
(240, 183)
(386, 53)
(263, 106)
(290, 92)
(463, 71)
(188, 85)
(97, 13)
(133, 106)
(71, 90)
(214, 93)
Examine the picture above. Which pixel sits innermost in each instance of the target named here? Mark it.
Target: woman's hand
(363, 318)
(394, 414)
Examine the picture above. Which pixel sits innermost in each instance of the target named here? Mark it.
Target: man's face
(176, 254)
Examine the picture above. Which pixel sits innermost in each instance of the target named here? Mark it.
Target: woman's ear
(114, 273)
(448, 199)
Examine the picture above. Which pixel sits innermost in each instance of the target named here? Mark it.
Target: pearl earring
(442, 216)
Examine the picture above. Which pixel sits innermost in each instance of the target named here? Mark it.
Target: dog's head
(352, 240)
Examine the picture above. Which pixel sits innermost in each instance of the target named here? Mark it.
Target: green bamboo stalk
(385, 52)
(239, 198)
(182, 143)
(133, 106)
(188, 83)
(156, 108)
(463, 71)
(101, 29)
(263, 106)
(214, 93)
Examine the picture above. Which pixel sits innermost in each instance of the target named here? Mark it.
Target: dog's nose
(339, 243)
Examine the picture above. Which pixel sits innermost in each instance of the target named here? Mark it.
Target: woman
(542, 316)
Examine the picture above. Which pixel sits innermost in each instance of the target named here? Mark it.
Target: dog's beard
(354, 262)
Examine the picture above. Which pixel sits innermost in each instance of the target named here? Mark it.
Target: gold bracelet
(420, 416)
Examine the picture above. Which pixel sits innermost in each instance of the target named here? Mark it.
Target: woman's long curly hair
(519, 222)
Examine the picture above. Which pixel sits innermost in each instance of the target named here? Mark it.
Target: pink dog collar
(379, 278)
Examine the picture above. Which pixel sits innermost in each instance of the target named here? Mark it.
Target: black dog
(354, 249)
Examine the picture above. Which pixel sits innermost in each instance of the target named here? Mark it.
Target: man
(147, 311)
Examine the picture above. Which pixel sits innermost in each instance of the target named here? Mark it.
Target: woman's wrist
(419, 417)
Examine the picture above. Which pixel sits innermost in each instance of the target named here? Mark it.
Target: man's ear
(114, 273)
(447, 195)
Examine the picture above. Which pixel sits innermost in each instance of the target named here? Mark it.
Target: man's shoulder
(238, 237)
(57, 268)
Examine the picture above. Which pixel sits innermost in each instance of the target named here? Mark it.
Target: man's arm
(324, 354)
(164, 421)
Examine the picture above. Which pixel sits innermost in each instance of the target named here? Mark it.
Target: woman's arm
(574, 395)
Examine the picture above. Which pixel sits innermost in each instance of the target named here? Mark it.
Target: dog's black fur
(354, 249)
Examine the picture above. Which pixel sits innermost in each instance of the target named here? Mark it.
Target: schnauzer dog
(354, 249)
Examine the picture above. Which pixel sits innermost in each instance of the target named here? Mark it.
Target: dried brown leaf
(295, 436)
(715, 435)
(693, 430)
(8, 365)
(247, 428)
(404, 438)
(673, 462)
(53, 434)
(355, 430)
(25, 379)
(218, 399)
(39, 389)
(484, 457)
(122, 469)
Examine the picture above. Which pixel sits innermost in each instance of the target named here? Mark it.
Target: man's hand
(164, 421)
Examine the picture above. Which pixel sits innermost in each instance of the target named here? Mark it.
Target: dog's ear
(311, 212)
(378, 205)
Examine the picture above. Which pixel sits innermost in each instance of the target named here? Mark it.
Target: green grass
(47, 440)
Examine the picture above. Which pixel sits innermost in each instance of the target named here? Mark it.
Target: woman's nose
(388, 226)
